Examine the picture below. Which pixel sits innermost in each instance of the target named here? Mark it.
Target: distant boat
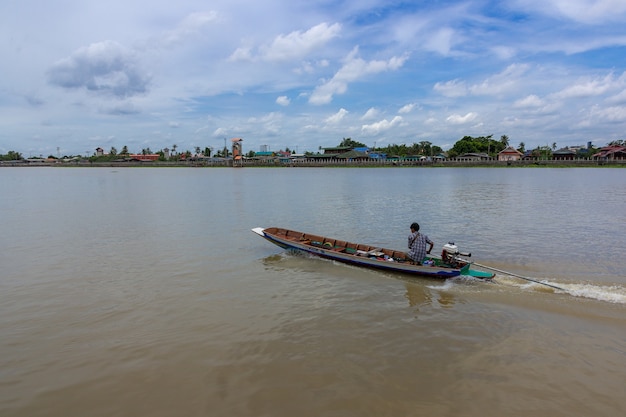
(450, 264)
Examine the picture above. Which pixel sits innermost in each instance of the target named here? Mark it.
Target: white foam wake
(612, 294)
(607, 293)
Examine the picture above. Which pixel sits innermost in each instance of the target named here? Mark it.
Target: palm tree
(426, 147)
(504, 139)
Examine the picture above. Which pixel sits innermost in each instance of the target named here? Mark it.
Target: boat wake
(612, 294)
(444, 285)
(608, 293)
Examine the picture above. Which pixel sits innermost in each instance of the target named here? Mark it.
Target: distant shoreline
(328, 164)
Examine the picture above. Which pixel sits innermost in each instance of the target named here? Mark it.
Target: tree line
(468, 144)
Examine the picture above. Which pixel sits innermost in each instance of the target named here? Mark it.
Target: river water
(143, 292)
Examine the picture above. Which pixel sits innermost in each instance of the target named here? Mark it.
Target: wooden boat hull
(364, 255)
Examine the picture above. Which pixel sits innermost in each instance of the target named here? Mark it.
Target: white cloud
(104, 67)
(297, 44)
(504, 52)
(371, 113)
(529, 101)
(283, 101)
(309, 67)
(618, 98)
(337, 117)
(120, 108)
(353, 69)
(267, 124)
(221, 132)
(502, 82)
(496, 84)
(453, 88)
(191, 24)
(457, 119)
(589, 88)
(241, 54)
(381, 126)
(610, 114)
(294, 45)
(441, 41)
(406, 108)
(585, 11)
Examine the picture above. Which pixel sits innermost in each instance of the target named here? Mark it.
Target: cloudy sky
(81, 74)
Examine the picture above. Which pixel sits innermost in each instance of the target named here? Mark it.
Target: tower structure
(237, 152)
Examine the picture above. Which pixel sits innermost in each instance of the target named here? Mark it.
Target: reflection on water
(418, 295)
(423, 295)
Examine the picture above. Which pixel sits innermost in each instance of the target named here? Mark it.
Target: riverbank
(316, 163)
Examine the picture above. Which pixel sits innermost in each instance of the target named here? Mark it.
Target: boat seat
(340, 244)
(291, 235)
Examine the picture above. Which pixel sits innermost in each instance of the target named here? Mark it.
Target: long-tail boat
(451, 262)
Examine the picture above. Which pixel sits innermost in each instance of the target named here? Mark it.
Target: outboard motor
(449, 252)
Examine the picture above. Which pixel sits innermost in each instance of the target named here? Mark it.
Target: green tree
(481, 144)
(425, 148)
(522, 147)
(542, 152)
(504, 139)
(124, 150)
(348, 142)
(113, 151)
(12, 156)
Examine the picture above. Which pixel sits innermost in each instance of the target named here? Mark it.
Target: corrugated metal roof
(353, 155)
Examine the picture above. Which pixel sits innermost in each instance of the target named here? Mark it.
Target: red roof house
(510, 154)
(611, 153)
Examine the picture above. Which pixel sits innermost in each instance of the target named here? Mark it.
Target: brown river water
(143, 292)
